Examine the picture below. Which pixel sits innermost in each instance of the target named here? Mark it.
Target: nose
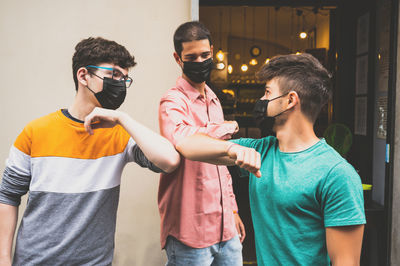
(263, 98)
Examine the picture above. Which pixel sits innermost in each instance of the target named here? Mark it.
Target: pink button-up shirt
(196, 201)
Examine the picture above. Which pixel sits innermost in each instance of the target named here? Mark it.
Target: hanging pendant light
(220, 54)
(244, 67)
(230, 69)
(254, 61)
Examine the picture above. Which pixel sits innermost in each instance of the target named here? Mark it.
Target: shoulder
(173, 94)
(174, 98)
(43, 121)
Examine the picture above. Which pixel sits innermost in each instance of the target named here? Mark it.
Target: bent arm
(200, 147)
(155, 147)
(8, 223)
(344, 244)
(176, 123)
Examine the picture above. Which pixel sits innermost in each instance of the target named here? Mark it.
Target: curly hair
(303, 74)
(94, 51)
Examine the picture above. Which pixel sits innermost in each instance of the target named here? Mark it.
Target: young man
(307, 207)
(199, 219)
(73, 172)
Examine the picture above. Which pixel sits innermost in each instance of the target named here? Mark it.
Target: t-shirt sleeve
(17, 174)
(246, 142)
(342, 197)
(135, 154)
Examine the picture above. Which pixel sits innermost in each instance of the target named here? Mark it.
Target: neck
(200, 87)
(295, 134)
(81, 106)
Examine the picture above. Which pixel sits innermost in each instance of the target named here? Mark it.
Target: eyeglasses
(115, 74)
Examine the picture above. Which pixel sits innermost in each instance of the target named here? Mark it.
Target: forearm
(8, 223)
(155, 147)
(200, 147)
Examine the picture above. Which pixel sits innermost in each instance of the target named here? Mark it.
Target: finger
(258, 160)
(87, 124)
(246, 159)
(242, 232)
(239, 157)
(258, 174)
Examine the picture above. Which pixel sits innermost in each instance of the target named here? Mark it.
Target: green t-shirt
(298, 195)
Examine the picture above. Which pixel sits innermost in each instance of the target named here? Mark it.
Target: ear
(177, 58)
(81, 75)
(293, 99)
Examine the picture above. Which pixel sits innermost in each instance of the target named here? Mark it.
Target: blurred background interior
(352, 40)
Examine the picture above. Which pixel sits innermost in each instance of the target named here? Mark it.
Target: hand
(240, 227)
(234, 123)
(246, 158)
(101, 118)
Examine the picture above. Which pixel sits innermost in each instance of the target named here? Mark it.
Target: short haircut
(94, 51)
(303, 74)
(190, 31)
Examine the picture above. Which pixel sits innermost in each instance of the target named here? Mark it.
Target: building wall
(395, 245)
(36, 48)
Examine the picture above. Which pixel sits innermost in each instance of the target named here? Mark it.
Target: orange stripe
(57, 135)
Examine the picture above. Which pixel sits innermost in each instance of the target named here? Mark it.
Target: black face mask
(262, 119)
(198, 72)
(113, 93)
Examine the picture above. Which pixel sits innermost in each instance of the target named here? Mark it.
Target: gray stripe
(141, 159)
(13, 186)
(68, 229)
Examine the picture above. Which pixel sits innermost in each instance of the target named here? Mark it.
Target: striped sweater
(73, 180)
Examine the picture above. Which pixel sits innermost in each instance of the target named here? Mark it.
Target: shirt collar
(192, 93)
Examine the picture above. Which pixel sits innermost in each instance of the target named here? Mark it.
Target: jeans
(226, 253)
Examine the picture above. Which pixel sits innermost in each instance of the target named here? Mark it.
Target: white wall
(36, 48)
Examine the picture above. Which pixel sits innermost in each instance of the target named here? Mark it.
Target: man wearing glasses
(71, 162)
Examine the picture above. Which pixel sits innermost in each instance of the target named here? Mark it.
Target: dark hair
(303, 74)
(190, 31)
(94, 51)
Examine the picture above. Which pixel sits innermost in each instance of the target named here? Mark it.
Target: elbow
(172, 163)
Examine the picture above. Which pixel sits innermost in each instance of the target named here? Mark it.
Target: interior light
(230, 69)
(303, 35)
(220, 65)
(253, 62)
(244, 67)
(220, 55)
(267, 60)
(298, 53)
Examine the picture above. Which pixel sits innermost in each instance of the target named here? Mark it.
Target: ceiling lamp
(220, 55)
(253, 62)
(244, 67)
(220, 65)
(297, 53)
(303, 35)
(230, 69)
(267, 61)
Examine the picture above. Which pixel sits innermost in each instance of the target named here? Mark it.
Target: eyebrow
(194, 54)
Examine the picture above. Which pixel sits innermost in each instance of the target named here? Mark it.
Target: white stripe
(19, 162)
(129, 150)
(70, 175)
